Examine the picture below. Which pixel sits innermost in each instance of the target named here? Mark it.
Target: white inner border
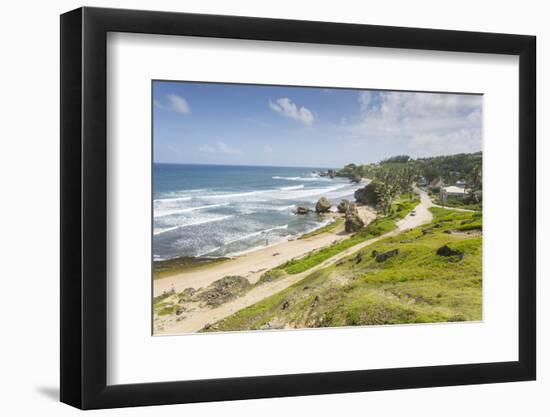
(134, 356)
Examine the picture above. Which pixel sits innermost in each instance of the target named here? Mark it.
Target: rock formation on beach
(323, 205)
(356, 179)
(302, 210)
(343, 206)
(354, 223)
(329, 173)
(368, 194)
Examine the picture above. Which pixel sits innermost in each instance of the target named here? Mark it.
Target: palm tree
(474, 182)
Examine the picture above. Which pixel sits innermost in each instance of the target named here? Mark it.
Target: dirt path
(198, 319)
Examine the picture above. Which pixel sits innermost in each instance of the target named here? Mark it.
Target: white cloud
(174, 103)
(219, 147)
(426, 123)
(178, 104)
(364, 100)
(462, 140)
(158, 104)
(287, 108)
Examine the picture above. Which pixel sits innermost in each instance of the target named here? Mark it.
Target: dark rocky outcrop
(343, 206)
(302, 210)
(353, 222)
(164, 295)
(382, 257)
(447, 251)
(224, 289)
(329, 173)
(368, 194)
(315, 301)
(323, 205)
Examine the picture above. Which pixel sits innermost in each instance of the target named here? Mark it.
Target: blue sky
(296, 126)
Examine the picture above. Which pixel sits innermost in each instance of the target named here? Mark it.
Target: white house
(455, 191)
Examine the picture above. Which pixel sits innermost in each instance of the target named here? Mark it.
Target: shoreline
(252, 264)
(192, 263)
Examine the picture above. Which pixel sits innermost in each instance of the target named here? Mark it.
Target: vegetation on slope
(163, 269)
(415, 286)
(457, 202)
(325, 229)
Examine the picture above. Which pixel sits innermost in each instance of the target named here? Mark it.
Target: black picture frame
(84, 207)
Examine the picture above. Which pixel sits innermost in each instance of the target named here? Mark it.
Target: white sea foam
(301, 178)
(171, 199)
(259, 233)
(208, 251)
(164, 213)
(183, 195)
(286, 193)
(308, 192)
(295, 187)
(284, 208)
(233, 195)
(160, 230)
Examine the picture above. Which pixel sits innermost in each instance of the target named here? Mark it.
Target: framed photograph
(257, 208)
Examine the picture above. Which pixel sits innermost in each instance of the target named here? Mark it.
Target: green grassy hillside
(417, 285)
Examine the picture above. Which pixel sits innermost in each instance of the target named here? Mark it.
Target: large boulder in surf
(353, 222)
(343, 206)
(323, 205)
(368, 195)
(302, 210)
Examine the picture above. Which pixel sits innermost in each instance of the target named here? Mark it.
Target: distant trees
(356, 172)
(474, 184)
(397, 175)
(388, 184)
(396, 159)
(406, 177)
(388, 190)
(450, 168)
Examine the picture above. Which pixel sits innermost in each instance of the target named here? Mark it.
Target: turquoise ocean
(216, 211)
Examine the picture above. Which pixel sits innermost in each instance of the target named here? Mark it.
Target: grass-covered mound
(416, 285)
(457, 202)
(381, 225)
(325, 229)
(163, 269)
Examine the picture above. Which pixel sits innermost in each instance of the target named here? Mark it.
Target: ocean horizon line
(243, 165)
